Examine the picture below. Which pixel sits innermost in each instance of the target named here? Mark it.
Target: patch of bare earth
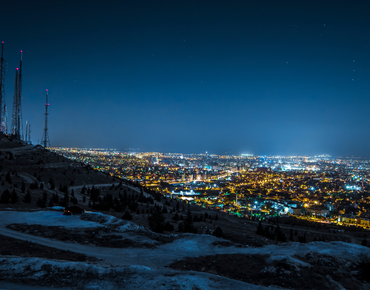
(100, 237)
(259, 270)
(14, 247)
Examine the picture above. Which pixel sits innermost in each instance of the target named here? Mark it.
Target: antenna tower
(29, 134)
(45, 141)
(26, 135)
(3, 118)
(17, 106)
(27, 138)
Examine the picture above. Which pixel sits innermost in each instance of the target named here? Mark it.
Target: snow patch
(140, 267)
(111, 222)
(58, 208)
(44, 218)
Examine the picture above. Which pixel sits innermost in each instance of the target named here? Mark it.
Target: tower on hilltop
(27, 138)
(17, 103)
(45, 141)
(3, 114)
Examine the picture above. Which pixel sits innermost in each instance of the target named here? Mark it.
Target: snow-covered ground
(184, 245)
(150, 262)
(87, 276)
(45, 218)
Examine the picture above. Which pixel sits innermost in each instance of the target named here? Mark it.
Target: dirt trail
(188, 245)
(28, 178)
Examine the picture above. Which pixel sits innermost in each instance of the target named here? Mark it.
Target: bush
(218, 233)
(175, 217)
(364, 269)
(168, 227)
(127, 216)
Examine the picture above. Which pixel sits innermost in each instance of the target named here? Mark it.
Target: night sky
(261, 77)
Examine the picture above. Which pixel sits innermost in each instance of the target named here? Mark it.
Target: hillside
(131, 237)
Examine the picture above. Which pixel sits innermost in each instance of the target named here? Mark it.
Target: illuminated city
(321, 188)
(193, 145)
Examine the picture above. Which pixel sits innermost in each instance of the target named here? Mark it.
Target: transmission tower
(3, 116)
(15, 128)
(17, 103)
(29, 134)
(45, 141)
(26, 134)
(27, 138)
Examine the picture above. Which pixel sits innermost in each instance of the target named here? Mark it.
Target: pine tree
(5, 197)
(51, 182)
(364, 242)
(156, 221)
(66, 199)
(260, 230)
(14, 196)
(44, 198)
(175, 217)
(23, 187)
(27, 197)
(8, 178)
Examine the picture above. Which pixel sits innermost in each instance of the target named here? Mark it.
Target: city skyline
(266, 78)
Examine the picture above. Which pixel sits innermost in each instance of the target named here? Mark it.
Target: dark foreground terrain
(321, 272)
(134, 238)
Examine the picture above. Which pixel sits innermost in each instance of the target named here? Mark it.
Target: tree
(187, 225)
(14, 196)
(302, 239)
(51, 182)
(8, 178)
(74, 200)
(164, 209)
(65, 199)
(23, 187)
(94, 194)
(27, 197)
(55, 198)
(364, 242)
(42, 201)
(156, 221)
(175, 217)
(168, 227)
(44, 198)
(260, 230)
(280, 236)
(5, 197)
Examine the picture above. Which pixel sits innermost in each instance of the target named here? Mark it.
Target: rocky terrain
(130, 237)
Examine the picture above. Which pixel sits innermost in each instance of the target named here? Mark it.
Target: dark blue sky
(262, 77)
